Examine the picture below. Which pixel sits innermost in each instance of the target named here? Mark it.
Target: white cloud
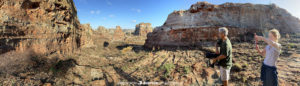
(108, 2)
(136, 10)
(133, 21)
(104, 18)
(111, 15)
(98, 12)
(92, 12)
(95, 12)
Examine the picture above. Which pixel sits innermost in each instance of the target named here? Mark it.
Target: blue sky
(128, 13)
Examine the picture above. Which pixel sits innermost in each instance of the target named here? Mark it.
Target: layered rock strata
(200, 23)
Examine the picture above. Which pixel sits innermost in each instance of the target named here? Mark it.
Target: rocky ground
(126, 62)
(43, 43)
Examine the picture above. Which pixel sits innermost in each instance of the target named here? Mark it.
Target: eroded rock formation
(201, 21)
(50, 25)
(143, 29)
(118, 33)
(102, 29)
(86, 33)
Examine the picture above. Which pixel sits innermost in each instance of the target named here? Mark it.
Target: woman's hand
(258, 38)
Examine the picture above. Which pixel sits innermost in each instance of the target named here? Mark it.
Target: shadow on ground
(138, 48)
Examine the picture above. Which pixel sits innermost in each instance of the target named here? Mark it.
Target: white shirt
(272, 55)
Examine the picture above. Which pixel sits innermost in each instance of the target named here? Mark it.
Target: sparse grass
(244, 79)
(245, 64)
(124, 68)
(187, 69)
(126, 50)
(54, 70)
(237, 67)
(167, 68)
(291, 45)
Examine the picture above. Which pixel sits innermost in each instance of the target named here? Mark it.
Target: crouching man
(224, 56)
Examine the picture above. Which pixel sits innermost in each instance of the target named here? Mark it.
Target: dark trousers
(269, 75)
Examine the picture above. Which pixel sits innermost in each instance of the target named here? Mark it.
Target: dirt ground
(126, 62)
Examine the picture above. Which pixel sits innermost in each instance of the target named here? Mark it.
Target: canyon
(43, 43)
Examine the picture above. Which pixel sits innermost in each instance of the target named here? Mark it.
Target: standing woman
(271, 53)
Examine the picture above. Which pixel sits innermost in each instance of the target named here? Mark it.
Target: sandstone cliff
(142, 29)
(86, 33)
(51, 25)
(200, 23)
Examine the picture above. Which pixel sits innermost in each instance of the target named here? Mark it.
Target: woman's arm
(257, 47)
(263, 53)
(269, 42)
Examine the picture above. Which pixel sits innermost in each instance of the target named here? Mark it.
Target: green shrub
(237, 67)
(187, 69)
(167, 68)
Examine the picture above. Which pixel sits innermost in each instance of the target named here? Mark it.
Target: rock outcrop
(142, 29)
(201, 21)
(102, 29)
(118, 33)
(50, 25)
(86, 33)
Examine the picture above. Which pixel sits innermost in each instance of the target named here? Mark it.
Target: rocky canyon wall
(47, 25)
(201, 21)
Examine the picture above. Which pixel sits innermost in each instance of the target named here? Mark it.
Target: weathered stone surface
(49, 24)
(102, 29)
(118, 33)
(86, 33)
(143, 29)
(200, 23)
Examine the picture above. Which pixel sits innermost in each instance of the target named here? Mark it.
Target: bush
(237, 67)
(167, 68)
(187, 69)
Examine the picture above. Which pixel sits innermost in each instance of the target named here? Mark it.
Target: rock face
(118, 33)
(142, 29)
(51, 25)
(201, 21)
(102, 29)
(86, 33)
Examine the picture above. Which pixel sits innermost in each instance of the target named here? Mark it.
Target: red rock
(51, 25)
